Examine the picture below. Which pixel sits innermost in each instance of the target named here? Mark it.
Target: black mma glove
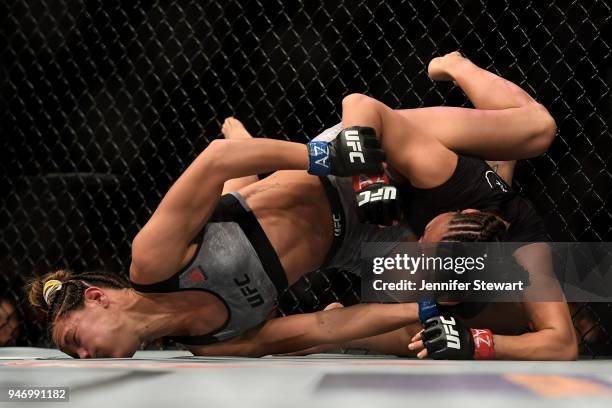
(356, 150)
(378, 202)
(446, 338)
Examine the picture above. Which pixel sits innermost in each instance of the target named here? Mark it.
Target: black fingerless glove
(356, 150)
(378, 201)
(446, 338)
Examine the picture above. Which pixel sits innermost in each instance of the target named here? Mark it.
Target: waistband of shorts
(338, 219)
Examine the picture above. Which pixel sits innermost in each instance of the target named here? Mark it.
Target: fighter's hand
(446, 338)
(356, 150)
(378, 201)
(416, 345)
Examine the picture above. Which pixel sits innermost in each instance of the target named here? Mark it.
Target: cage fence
(104, 103)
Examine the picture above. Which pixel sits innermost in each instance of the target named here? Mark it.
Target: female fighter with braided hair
(207, 268)
(494, 212)
(435, 207)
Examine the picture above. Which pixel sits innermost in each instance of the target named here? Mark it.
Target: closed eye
(70, 340)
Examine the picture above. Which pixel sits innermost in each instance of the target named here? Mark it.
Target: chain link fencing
(104, 103)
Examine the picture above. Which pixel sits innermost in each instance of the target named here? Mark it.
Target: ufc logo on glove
(447, 338)
(353, 143)
(452, 335)
(356, 150)
(383, 193)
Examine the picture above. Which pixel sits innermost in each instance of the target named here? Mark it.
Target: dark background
(104, 103)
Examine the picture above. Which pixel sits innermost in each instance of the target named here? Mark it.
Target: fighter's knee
(549, 128)
(356, 99)
(546, 130)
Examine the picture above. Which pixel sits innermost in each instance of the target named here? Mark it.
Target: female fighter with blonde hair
(207, 267)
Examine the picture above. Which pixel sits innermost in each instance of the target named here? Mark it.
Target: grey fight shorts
(347, 255)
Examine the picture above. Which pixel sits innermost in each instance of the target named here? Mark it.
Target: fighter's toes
(335, 305)
(439, 68)
(234, 129)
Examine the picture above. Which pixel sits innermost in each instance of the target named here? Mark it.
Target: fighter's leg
(234, 129)
(524, 127)
(484, 89)
(419, 157)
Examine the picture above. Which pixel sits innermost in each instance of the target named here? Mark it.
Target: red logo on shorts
(195, 276)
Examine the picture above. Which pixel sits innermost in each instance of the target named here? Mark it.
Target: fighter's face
(95, 331)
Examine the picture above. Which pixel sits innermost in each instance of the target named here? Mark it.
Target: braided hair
(475, 227)
(57, 293)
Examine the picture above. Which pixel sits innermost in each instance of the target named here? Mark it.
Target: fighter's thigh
(423, 159)
(407, 149)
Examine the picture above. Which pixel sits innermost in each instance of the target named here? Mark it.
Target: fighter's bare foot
(234, 129)
(441, 68)
(335, 305)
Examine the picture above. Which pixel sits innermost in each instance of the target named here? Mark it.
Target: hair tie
(50, 287)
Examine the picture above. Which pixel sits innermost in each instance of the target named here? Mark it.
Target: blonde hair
(56, 293)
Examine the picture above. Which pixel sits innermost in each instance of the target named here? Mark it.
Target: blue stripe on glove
(428, 308)
(319, 162)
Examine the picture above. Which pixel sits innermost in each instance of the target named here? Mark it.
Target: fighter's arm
(552, 335)
(390, 343)
(551, 339)
(302, 331)
(161, 246)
